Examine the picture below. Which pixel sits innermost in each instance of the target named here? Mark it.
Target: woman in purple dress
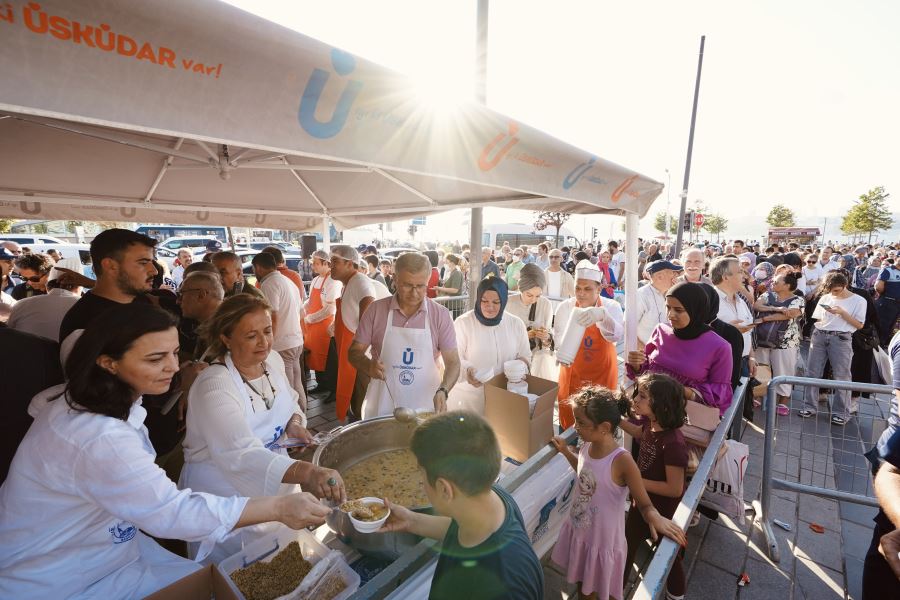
(688, 350)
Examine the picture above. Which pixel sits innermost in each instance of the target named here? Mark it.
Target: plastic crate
(265, 549)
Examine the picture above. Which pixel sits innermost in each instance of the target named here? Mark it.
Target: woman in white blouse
(537, 313)
(486, 338)
(241, 414)
(83, 486)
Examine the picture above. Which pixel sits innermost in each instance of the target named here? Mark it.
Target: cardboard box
(201, 585)
(520, 434)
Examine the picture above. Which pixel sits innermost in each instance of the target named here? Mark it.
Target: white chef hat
(72, 264)
(585, 269)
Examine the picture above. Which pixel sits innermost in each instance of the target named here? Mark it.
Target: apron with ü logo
(595, 364)
(411, 373)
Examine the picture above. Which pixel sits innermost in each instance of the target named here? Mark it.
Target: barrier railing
(653, 581)
(819, 462)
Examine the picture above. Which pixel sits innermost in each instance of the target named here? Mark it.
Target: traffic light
(593, 233)
(688, 221)
(412, 230)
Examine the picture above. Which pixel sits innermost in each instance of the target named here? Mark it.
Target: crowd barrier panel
(653, 582)
(812, 456)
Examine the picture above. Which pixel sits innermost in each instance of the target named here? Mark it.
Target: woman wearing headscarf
(726, 331)
(688, 349)
(763, 275)
(608, 289)
(486, 338)
(537, 314)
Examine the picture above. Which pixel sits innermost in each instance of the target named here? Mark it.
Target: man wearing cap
(652, 298)
(42, 315)
(595, 362)
(7, 283)
(356, 297)
(320, 310)
(407, 334)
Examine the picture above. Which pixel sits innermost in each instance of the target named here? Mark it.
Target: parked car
(194, 243)
(43, 243)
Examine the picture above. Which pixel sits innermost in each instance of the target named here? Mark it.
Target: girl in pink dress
(591, 546)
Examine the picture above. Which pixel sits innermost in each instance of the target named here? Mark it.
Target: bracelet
(443, 389)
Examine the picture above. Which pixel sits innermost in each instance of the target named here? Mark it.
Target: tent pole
(476, 219)
(631, 281)
(326, 234)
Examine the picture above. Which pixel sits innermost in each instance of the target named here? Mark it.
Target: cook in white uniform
(487, 337)
(240, 411)
(83, 486)
(537, 313)
(408, 335)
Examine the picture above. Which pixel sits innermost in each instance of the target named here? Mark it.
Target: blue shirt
(891, 278)
(490, 267)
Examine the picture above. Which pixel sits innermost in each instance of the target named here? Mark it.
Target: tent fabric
(172, 111)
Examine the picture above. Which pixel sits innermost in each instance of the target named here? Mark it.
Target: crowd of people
(163, 404)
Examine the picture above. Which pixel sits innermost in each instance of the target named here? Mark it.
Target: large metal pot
(350, 445)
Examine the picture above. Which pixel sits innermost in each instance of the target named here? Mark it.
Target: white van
(42, 243)
(519, 234)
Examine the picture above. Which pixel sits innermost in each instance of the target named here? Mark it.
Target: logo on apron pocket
(122, 532)
(406, 377)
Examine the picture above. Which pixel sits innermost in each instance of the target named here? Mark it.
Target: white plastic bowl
(369, 526)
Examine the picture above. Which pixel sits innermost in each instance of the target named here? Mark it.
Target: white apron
(411, 374)
(268, 426)
(486, 352)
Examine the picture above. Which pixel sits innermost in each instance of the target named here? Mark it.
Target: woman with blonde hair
(242, 414)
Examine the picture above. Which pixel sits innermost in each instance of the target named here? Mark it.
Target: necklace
(267, 401)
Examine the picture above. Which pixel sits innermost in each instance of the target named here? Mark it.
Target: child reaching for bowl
(485, 553)
(592, 547)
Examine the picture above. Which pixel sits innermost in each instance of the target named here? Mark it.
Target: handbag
(865, 339)
(770, 334)
(702, 421)
(883, 364)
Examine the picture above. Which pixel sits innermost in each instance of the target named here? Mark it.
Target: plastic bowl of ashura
(371, 526)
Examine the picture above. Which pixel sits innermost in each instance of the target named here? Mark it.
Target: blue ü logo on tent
(343, 64)
(408, 356)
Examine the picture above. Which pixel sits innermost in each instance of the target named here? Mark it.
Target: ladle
(404, 414)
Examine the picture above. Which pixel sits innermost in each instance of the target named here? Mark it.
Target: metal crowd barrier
(653, 581)
(457, 304)
(814, 457)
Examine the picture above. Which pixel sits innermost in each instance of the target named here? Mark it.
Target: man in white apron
(406, 335)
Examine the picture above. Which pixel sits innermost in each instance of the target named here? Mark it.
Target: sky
(798, 100)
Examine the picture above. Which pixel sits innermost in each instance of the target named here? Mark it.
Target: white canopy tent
(198, 112)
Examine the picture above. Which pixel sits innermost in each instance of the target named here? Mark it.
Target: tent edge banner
(173, 67)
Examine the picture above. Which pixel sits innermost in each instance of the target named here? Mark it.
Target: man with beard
(123, 263)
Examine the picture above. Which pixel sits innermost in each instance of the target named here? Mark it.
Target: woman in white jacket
(242, 412)
(537, 313)
(83, 486)
(486, 338)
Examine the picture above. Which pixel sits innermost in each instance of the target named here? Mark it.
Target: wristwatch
(445, 390)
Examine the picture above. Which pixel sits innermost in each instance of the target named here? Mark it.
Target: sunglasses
(35, 279)
(181, 293)
(810, 262)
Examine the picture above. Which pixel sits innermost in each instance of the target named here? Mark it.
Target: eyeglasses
(408, 287)
(181, 293)
(35, 279)
(810, 262)
(552, 257)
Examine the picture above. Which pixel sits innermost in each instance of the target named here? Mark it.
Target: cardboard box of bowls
(521, 433)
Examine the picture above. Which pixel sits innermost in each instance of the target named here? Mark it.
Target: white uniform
(229, 433)
(481, 346)
(42, 315)
(79, 488)
(612, 328)
(543, 364)
(412, 375)
(651, 312)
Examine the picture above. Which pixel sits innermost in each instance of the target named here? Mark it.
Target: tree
(545, 219)
(659, 223)
(781, 216)
(40, 228)
(869, 214)
(6, 225)
(715, 224)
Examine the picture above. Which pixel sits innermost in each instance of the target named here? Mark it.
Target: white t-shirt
(853, 304)
(736, 310)
(356, 289)
(284, 297)
(617, 259)
(651, 311)
(554, 283)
